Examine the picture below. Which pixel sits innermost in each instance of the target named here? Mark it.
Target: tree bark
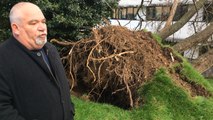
(204, 62)
(171, 16)
(180, 23)
(194, 39)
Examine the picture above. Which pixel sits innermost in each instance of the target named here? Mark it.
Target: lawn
(163, 100)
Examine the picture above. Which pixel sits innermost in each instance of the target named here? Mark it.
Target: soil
(114, 62)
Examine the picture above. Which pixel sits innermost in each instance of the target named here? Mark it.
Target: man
(33, 84)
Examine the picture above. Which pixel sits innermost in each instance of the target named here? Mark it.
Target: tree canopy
(68, 19)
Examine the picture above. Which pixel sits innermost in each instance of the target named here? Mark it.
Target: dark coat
(28, 89)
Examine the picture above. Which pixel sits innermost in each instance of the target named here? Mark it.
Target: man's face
(32, 28)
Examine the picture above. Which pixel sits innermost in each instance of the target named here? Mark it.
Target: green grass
(86, 110)
(163, 101)
(210, 81)
(166, 101)
(193, 75)
(157, 38)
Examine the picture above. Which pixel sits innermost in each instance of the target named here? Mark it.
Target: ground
(114, 62)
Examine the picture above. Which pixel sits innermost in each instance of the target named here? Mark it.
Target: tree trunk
(171, 16)
(194, 39)
(180, 23)
(204, 62)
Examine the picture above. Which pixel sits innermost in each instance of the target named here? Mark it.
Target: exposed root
(113, 63)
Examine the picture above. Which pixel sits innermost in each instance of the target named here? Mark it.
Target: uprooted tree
(178, 19)
(112, 64)
(197, 38)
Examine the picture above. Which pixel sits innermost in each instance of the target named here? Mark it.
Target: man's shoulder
(4, 51)
(50, 46)
(4, 46)
(7, 44)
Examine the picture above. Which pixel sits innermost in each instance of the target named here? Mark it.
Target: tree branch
(186, 17)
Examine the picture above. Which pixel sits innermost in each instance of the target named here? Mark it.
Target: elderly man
(33, 84)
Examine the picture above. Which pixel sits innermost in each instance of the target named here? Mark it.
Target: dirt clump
(113, 63)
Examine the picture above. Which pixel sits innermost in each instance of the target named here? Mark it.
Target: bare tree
(171, 16)
(204, 62)
(180, 23)
(194, 39)
(192, 14)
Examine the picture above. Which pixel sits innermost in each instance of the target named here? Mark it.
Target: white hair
(15, 12)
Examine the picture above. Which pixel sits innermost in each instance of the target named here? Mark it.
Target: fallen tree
(112, 64)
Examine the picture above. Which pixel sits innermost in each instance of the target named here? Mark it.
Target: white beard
(40, 42)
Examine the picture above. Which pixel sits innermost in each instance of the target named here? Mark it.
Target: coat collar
(36, 55)
(21, 46)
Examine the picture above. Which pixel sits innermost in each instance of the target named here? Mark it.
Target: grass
(193, 75)
(86, 110)
(210, 81)
(163, 101)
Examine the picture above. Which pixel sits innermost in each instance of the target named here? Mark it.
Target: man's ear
(15, 28)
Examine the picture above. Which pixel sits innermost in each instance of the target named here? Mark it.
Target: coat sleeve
(7, 111)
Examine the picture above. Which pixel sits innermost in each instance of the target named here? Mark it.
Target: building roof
(124, 3)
